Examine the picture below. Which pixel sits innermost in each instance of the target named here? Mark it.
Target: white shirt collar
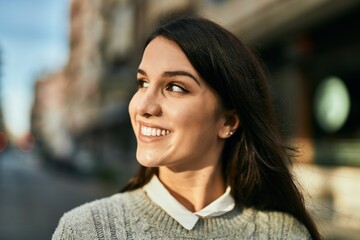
(157, 192)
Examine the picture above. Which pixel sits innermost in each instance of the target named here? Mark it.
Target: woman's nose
(149, 104)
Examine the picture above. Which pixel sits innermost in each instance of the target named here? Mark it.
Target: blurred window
(332, 104)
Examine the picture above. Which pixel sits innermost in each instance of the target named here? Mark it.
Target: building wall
(49, 115)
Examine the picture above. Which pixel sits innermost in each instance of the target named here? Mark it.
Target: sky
(33, 40)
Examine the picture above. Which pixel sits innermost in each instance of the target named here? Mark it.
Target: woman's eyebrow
(180, 73)
(142, 72)
(173, 74)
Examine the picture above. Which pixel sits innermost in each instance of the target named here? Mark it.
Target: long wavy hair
(255, 160)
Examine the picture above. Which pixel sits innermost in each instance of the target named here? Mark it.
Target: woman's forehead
(162, 54)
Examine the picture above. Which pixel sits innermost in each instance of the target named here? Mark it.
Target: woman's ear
(230, 125)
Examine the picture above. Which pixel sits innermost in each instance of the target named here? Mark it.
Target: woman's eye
(176, 88)
(142, 84)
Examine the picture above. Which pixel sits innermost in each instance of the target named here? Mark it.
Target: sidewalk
(33, 198)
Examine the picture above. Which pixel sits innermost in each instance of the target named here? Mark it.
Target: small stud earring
(230, 133)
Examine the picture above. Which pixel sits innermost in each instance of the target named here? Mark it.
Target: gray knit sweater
(132, 215)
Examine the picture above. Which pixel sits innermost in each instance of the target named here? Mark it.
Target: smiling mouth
(154, 132)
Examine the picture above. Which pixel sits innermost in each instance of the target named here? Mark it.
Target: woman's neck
(194, 189)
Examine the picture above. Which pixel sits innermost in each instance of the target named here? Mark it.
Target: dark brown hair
(255, 159)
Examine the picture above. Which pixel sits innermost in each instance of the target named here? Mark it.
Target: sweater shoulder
(86, 211)
(280, 225)
(91, 220)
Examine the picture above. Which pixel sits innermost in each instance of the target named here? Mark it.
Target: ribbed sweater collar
(157, 192)
(152, 216)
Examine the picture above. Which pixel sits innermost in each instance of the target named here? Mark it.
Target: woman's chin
(147, 159)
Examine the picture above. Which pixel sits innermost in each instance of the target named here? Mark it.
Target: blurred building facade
(3, 137)
(1, 114)
(80, 113)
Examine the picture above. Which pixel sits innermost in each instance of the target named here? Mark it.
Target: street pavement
(33, 196)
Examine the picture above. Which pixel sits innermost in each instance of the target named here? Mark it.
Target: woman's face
(177, 119)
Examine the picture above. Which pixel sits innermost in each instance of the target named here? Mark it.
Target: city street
(33, 197)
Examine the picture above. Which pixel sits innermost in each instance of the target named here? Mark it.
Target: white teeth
(148, 131)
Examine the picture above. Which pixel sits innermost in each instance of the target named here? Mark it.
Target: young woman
(213, 164)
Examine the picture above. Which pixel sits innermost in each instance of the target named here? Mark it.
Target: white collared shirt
(157, 192)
